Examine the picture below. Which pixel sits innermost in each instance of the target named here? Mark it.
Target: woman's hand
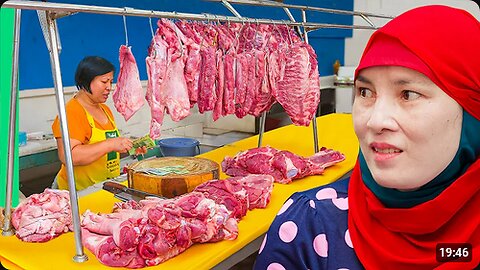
(141, 150)
(120, 144)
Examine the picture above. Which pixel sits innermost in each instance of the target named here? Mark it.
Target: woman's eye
(365, 92)
(410, 95)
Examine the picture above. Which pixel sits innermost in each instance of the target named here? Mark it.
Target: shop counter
(334, 131)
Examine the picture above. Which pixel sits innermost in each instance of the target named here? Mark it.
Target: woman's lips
(384, 151)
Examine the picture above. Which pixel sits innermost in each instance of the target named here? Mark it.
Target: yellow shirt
(83, 127)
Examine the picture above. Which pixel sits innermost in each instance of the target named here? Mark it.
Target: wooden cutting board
(182, 174)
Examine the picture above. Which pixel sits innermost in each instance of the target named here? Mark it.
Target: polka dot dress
(310, 232)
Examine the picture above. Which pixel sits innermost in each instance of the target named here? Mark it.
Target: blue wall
(85, 34)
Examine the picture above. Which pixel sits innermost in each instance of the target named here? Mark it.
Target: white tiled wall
(38, 109)
(354, 46)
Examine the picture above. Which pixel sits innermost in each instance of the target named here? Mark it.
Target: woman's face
(408, 128)
(101, 86)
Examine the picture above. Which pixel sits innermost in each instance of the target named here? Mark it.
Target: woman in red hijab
(413, 200)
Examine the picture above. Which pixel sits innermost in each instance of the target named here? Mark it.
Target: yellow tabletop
(334, 131)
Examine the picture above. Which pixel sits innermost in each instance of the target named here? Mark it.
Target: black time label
(453, 252)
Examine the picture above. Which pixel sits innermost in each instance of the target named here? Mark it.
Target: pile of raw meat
(284, 166)
(154, 230)
(42, 217)
(224, 68)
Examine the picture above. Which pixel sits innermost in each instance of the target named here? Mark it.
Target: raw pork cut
(208, 68)
(191, 40)
(105, 249)
(284, 166)
(233, 68)
(298, 91)
(128, 95)
(259, 188)
(219, 86)
(173, 90)
(167, 87)
(156, 63)
(42, 217)
(154, 230)
(229, 193)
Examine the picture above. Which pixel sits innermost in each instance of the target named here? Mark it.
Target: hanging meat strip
(219, 85)
(128, 95)
(191, 40)
(156, 70)
(174, 87)
(206, 93)
(227, 42)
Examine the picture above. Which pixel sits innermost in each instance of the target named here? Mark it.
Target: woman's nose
(382, 117)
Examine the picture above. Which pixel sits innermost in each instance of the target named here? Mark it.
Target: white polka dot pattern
(341, 203)
(326, 193)
(285, 206)
(275, 266)
(312, 204)
(348, 240)
(320, 245)
(307, 218)
(263, 244)
(288, 231)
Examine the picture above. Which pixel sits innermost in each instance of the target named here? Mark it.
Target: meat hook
(125, 26)
(288, 30)
(150, 22)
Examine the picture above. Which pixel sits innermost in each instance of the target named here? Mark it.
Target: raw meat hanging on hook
(128, 97)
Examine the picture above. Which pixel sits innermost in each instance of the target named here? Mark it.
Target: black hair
(89, 68)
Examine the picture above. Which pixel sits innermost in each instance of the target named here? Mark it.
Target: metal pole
(7, 226)
(59, 7)
(314, 120)
(231, 9)
(261, 125)
(290, 16)
(305, 36)
(365, 18)
(267, 3)
(57, 81)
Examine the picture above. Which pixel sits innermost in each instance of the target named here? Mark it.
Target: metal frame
(7, 226)
(57, 10)
(306, 28)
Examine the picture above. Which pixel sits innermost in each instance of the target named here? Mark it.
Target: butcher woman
(413, 199)
(94, 138)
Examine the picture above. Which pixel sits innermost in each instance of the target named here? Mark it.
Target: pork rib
(298, 91)
(284, 166)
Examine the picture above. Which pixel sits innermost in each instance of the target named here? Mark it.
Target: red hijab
(444, 44)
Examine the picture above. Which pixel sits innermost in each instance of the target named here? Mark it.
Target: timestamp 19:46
(453, 252)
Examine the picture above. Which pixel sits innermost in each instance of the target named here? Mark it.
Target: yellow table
(334, 131)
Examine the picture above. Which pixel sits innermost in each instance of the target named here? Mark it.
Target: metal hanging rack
(54, 11)
(306, 29)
